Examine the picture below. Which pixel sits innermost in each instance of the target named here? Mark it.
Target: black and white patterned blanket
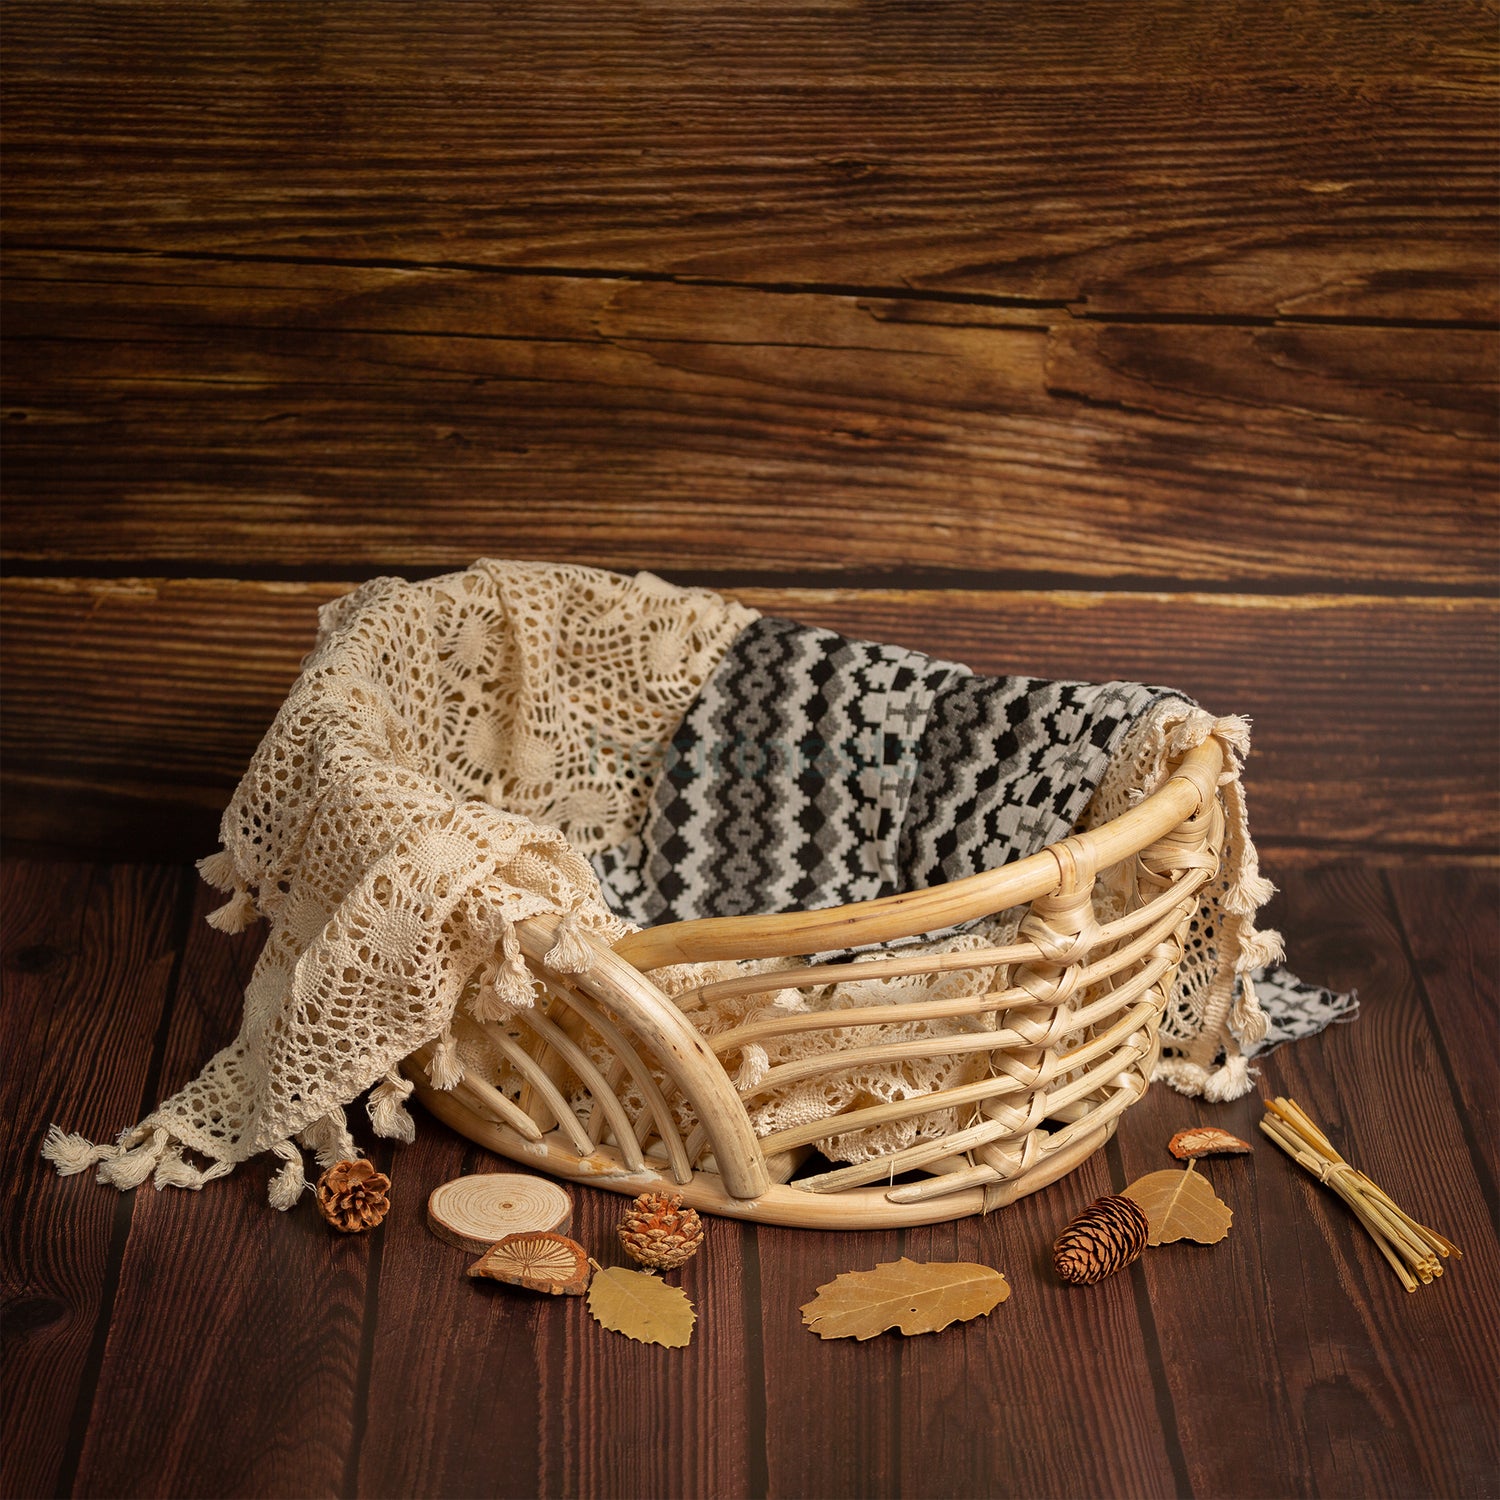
(814, 770)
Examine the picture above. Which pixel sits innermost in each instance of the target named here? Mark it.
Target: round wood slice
(476, 1212)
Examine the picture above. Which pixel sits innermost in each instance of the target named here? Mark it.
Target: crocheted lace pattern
(440, 770)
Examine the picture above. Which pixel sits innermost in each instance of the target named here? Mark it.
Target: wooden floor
(171, 1344)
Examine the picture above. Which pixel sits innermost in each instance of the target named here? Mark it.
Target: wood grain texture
(1374, 717)
(231, 1366)
(477, 1388)
(87, 953)
(621, 1418)
(1004, 1379)
(1286, 162)
(1452, 928)
(250, 1352)
(832, 1406)
(229, 416)
(955, 308)
(1322, 1390)
(456, 1385)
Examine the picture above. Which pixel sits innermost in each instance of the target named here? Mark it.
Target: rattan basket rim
(1059, 867)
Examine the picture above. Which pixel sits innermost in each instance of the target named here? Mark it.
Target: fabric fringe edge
(389, 1116)
(1231, 1015)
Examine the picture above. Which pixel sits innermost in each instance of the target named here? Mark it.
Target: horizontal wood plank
(169, 415)
(783, 42)
(1374, 717)
(1337, 162)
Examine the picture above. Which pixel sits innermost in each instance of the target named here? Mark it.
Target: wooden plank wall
(1152, 341)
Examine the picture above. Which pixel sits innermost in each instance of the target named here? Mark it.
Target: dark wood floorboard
(833, 1407)
(456, 1384)
(1453, 935)
(87, 953)
(625, 1418)
(243, 1352)
(1379, 1086)
(1053, 1394)
(232, 1352)
(1295, 1324)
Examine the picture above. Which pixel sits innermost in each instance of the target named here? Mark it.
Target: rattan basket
(1069, 1029)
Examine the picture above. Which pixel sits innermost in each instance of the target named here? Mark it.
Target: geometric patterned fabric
(814, 770)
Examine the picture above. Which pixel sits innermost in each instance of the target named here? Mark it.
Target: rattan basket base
(781, 1204)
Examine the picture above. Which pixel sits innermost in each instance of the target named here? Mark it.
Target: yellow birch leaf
(1181, 1206)
(916, 1297)
(642, 1307)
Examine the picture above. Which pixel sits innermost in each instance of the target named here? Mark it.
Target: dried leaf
(540, 1262)
(1181, 1206)
(642, 1307)
(1206, 1140)
(916, 1297)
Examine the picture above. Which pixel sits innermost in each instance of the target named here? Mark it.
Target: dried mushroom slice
(1206, 1140)
(540, 1262)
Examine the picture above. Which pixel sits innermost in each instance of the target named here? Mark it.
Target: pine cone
(659, 1232)
(1103, 1239)
(352, 1196)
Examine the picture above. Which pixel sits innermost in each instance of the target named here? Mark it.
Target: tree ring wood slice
(479, 1211)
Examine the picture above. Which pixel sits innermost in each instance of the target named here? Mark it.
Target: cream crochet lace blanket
(440, 771)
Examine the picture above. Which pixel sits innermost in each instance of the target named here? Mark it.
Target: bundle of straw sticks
(1415, 1251)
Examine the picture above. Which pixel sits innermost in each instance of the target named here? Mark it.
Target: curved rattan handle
(1186, 792)
(686, 1057)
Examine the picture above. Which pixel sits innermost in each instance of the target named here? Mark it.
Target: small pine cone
(1103, 1239)
(659, 1232)
(352, 1196)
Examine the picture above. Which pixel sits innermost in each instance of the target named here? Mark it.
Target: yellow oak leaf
(916, 1297)
(642, 1307)
(1181, 1206)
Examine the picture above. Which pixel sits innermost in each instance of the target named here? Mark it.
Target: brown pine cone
(352, 1196)
(1103, 1239)
(659, 1232)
